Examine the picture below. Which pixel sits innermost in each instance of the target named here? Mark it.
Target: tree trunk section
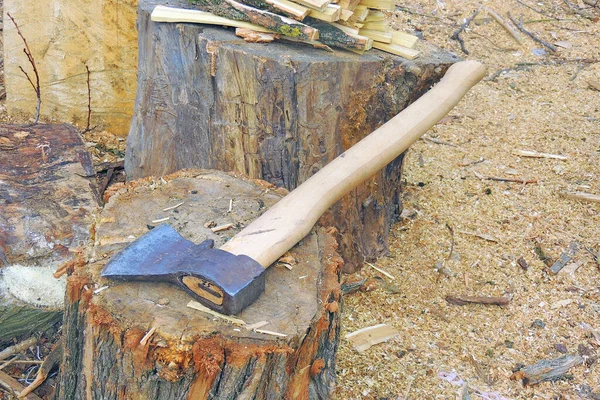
(193, 355)
(278, 112)
(45, 206)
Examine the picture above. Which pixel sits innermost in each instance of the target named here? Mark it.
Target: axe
(230, 278)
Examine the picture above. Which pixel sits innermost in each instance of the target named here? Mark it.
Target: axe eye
(204, 288)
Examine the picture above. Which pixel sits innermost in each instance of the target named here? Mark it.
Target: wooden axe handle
(282, 226)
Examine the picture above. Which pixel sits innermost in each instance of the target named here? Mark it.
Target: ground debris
(364, 338)
(547, 370)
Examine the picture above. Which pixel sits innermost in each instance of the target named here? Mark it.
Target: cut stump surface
(191, 354)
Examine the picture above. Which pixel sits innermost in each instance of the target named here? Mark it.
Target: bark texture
(279, 112)
(45, 207)
(192, 355)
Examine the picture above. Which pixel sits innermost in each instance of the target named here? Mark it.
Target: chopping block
(277, 111)
(141, 340)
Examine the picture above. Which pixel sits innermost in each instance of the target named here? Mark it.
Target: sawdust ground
(547, 108)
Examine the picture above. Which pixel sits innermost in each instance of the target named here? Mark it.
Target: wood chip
(222, 227)
(594, 198)
(461, 300)
(156, 221)
(174, 207)
(147, 336)
(561, 303)
(564, 258)
(200, 307)
(364, 338)
(547, 370)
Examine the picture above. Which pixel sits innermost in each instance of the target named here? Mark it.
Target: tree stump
(278, 112)
(45, 206)
(191, 354)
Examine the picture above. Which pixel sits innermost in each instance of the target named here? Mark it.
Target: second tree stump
(278, 112)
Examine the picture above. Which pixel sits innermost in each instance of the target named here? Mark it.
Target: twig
(535, 154)
(36, 86)
(580, 12)
(12, 360)
(517, 180)
(51, 361)
(461, 300)
(380, 270)
(89, 116)
(538, 11)
(503, 24)
(263, 331)
(451, 241)
(531, 35)
(174, 207)
(456, 35)
(17, 348)
(437, 141)
(595, 256)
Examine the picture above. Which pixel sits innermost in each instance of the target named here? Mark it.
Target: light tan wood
(401, 51)
(381, 26)
(361, 13)
(298, 11)
(171, 14)
(404, 39)
(314, 4)
(379, 4)
(382, 37)
(287, 222)
(331, 13)
(593, 198)
(375, 16)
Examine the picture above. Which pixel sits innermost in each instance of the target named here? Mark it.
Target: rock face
(46, 201)
(191, 354)
(64, 36)
(279, 112)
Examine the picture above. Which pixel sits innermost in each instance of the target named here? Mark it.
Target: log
(278, 112)
(99, 34)
(45, 206)
(141, 340)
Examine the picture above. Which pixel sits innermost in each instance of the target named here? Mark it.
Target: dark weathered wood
(547, 370)
(192, 355)
(279, 112)
(45, 205)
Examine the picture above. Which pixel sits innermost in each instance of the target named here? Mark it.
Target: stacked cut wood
(356, 25)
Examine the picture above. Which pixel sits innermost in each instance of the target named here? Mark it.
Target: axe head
(222, 281)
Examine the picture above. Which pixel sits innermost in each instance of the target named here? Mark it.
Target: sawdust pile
(546, 103)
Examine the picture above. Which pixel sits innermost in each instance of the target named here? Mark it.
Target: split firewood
(52, 360)
(564, 258)
(461, 300)
(547, 370)
(286, 7)
(364, 338)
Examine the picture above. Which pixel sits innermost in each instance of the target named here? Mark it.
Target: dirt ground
(475, 229)
(545, 102)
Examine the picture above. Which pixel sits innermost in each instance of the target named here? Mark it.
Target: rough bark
(279, 112)
(45, 206)
(192, 355)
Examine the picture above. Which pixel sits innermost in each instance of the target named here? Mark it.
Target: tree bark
(193, 355)
(279, 112)
(45, 206)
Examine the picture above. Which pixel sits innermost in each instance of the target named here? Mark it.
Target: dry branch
(531, 35)
(17, 348)
(503, 24)
(36, 85)
(465, 25)
(12, 385)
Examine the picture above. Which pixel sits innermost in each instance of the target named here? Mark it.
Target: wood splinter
(547, 370)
